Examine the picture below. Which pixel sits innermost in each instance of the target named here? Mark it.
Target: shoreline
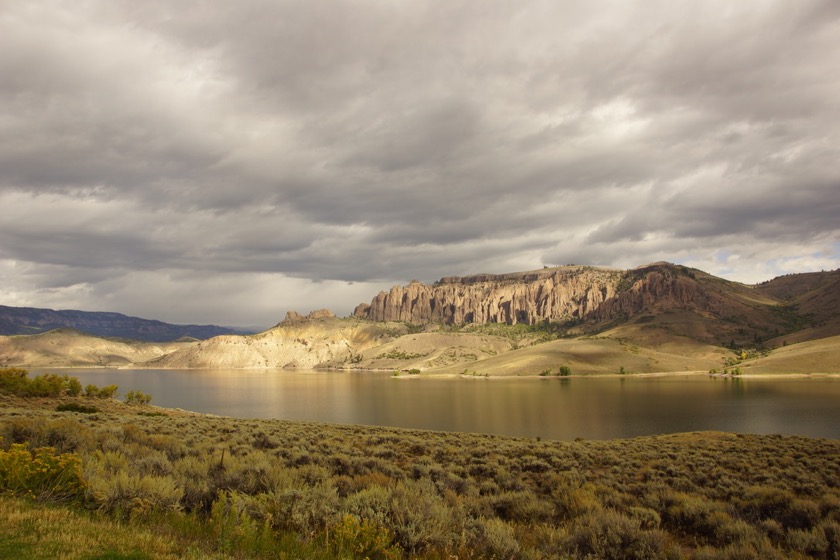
(475, 375)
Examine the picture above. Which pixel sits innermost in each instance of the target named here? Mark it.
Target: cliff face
(554, 294)
(558, 294)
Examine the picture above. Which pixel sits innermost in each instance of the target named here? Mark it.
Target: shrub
(498, 539)
(65, 435)
(363, 539)
(132, 494)
(74, 387)
(565, 371)
(94, 392)
(137, 398)
(41, 473)
(611, 535)
(14, 381)
(76, 407)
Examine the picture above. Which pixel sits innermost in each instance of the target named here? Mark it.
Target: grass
(40, 531)
(186, 485)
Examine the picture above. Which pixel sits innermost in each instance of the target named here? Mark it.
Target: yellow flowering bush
(41, 473)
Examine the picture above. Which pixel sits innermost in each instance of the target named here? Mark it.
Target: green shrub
(74, 387)
(15, 381)
(137, 398)
(76, 407)
(41, 473)
(94, 392)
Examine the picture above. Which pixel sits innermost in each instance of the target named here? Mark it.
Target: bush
(76, 407)
(14, 381)
(65, 435)
(363, 539)
(134, 494)
(41, 473)
(137, 398)
(94, 392)
(611, 535)
(498, 539)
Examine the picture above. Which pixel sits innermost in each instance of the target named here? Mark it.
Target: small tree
(565, 371)
(137, 398)
(74, 387)
(107, 392)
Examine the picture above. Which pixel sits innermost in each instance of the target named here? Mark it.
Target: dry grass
(35, 532)
(814, 356)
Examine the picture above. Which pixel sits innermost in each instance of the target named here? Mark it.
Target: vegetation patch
(76, 407)
(399, 355)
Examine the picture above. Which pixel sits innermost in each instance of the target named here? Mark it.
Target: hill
(72, 348)
(30, 320)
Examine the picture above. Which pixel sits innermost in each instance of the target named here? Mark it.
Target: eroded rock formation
(554, 294)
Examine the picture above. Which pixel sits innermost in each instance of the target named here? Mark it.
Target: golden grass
(37, 531)
(814, 356)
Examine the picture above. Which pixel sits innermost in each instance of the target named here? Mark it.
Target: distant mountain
(29, 320)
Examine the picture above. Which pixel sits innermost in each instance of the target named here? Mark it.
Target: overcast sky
(224, 162)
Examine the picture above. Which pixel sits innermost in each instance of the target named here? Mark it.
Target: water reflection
(592, 408)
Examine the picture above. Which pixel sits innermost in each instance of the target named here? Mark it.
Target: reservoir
(549, 408)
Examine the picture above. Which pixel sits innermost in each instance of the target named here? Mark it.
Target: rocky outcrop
(554, 294)
(318, 314)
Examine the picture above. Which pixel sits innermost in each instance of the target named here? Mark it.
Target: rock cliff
(554, 294)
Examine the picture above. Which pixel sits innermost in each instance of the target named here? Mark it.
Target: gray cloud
(212, 154)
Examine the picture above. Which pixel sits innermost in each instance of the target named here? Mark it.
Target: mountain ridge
(33, 320)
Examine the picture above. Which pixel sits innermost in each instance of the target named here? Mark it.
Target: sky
(225, 162)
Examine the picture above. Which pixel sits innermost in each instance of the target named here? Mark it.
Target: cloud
(147, 148)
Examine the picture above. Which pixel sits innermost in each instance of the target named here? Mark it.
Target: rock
(561, 293)
(320, 314)
(292, 316)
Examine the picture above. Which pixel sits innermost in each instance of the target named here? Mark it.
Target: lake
(550, 408)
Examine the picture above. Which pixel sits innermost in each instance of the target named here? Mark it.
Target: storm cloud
(225, 162)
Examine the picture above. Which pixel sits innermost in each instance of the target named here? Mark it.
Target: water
(552, 408)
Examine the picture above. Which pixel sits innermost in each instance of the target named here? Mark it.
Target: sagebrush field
(203, 486)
